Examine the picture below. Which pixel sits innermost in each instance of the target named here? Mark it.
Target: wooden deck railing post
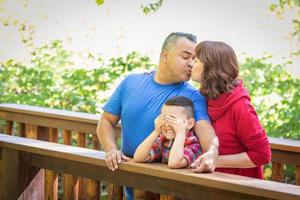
(81, 140)
(21, 130)
(277, 171)
(31, 131)
(297, 175)
(92, 187)
(20, 180)
(145, 195)
(9, 127)
(51, 177)
(115, 192)
(70, 183)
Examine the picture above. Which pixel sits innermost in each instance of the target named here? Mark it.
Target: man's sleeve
(200, 106)
(114, 103)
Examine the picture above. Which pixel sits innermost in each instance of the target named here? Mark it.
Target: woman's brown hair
(220, 69)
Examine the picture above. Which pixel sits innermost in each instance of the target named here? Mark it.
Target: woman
(243, 145)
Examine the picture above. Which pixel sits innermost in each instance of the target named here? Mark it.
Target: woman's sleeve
(251, 134)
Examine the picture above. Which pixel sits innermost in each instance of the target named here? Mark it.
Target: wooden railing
(23, 158)
(285, 151)
(70, 128)
(79, 129)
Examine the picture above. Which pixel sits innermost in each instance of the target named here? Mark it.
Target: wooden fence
(23, 159)
(79, 129)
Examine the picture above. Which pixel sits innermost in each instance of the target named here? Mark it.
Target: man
(138, 100)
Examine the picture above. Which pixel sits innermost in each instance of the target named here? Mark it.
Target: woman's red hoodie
(238, 129)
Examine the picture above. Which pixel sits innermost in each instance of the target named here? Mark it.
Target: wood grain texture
(285, 144)
(153, 177)
(298, 175)
(277, 172)
(9, 127)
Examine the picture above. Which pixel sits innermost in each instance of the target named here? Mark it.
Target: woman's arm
(240, 160)
(142, 153)
(252, 136)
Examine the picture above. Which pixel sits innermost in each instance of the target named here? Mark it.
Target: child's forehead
(170, 109)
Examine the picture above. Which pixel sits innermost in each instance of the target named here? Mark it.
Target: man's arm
(106, 134)
(210, 144)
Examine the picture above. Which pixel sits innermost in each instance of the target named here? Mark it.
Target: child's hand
(159, 122)
(179, 124)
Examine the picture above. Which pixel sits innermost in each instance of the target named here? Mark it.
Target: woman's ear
(191, 122)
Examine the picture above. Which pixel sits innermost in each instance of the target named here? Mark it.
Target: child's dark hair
(182, 102)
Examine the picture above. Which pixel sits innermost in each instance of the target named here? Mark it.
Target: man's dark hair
(182, 102)
(171, 40)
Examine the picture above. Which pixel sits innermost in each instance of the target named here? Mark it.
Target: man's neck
(163, 78)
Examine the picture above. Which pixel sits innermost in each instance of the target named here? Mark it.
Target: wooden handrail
(50, 112)
(74, 121)
(285, 144)
(152, 177)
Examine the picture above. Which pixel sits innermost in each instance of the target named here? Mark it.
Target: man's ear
(164, 55)
(190, 123)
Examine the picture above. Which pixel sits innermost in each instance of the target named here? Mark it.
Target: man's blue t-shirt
(138, 101)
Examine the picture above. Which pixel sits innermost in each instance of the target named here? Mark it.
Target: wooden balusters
(297, 175)
(81, 142)
(277, 171)
(70, 183)
(115, 192)
(92, 187)
(144, 195)
(51, 177)
(21, 130)
(9, 127)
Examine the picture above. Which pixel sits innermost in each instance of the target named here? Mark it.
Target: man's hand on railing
(206, 162)
(113, 158)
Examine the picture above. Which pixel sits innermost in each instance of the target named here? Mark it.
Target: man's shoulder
(191, 92)
(140, 75)
(189, 87)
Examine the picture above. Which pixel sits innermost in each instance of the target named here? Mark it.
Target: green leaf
(99, 2)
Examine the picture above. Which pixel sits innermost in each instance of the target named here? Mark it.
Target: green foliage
(280, 8)
(275, 95)
(99, 2)
(152, 7)
(147, 10)
(50, 81)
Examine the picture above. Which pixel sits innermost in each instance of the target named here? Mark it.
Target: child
(172, 140)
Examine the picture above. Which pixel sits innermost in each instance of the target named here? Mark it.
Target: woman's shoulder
(243, 108)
